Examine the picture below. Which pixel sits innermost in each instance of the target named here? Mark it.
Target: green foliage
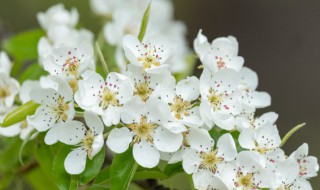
(122, 170)
(23, 47)
(144, 23)
(154, 173)
(32, 72)
(20, 113)
(173, 169)
(103, 176)
(93, 167)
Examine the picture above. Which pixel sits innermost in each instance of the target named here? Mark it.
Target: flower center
(4, 92)
(245, 181)
(71, 66)
(24, 124)
(210, 160)
(220, 63)
(60, 109)
(180, 107)
(108, 98)
(87, 143)
(150, 57)
(142, 130)
(214, 99)
(142, 90)
(302, 167)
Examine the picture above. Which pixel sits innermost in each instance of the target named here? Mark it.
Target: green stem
(290, 133)
(102, 59)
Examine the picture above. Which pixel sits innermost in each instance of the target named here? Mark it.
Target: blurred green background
(280, 40)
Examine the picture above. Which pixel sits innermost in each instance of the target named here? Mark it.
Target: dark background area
(279, 39)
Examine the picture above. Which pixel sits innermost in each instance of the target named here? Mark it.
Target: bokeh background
(279, 39)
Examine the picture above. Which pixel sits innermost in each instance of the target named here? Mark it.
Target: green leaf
(38, 180)
(44, 157)
(144, 23)
(73, 184)
(33, 72)
(98, 187)
(173, 169)
(23, 47)
(103, 176)
(214, 134)
(102, 59)
(290, 133)
(122, 170)
(9, 156)
(20, 113)
(154, 173)
(61, 177)
(92, 167)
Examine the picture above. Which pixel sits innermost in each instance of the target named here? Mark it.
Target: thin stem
(290, 133)
(102, 59)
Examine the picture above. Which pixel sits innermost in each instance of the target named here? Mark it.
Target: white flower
(262, 140)
(56, 106)
(181, 99)
(308, 165)
(89, 141)
(58, 15)
(245, 120)
(151, 55)
(23, 129)
(9, 88)
(220, 54)
(206, 160)
(5, 63)
(286, 172)
(194, 138)
(146, 85)
(105, 7)
(68, 62)
(143, 129)
(248, 172)
(104, 97)
(219, 98)
(251, 98)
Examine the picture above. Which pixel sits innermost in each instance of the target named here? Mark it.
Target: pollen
(180, 107)
(214, 99)
(71, 66)
(61, 109)
(87, 143)
(150, 58)
(108, 98)
(4, 91)
(246, 181)
(142, 90)
(210, 160)
(142, 130)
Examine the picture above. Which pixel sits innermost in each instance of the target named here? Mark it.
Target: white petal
(43, 119)
(44, 96)
(119, 139)
(260, 99)
(301, 152)
(250, 161)
(202, 179)
(10, 131)
(246, 139)
(71, 132)
(145, 154)
(26, 88)
(199, 139)
(227, 147)
(132, 110)
(188, 88)
(75, 162)
(93, 122)
(287, 171)
(167, 141)
(175, 127)
(51, 136)
(191, 161)
(97, 145)
(300, 184)
(111, 116)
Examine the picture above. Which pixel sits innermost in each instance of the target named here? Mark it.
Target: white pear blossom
(151, 55)
(5, 63)
(248, 172)
(105, 7)
(56, 106)
(146, 85)
(182, 98)
(308, 165)
(205, 160)
(251, 98)
(286, 172)
(220, 98)
(58, 15)
(262, 140)
(104, 97)
(143, 128)
(9, 88)
(220, 54)
(68, 62)
(245, 120)
(89, 141)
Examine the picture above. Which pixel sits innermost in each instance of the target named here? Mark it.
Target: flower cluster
(145, 108)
